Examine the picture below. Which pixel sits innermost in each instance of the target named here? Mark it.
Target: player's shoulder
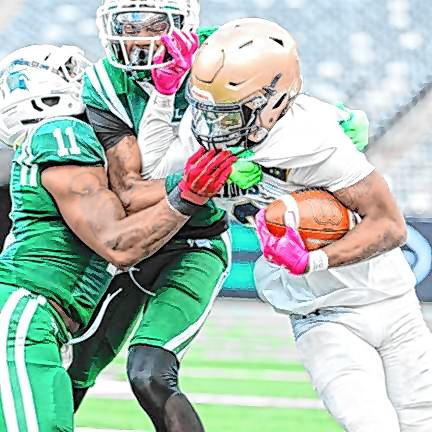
(64, 138)
(308, 133)
(100, 80)
(105, 88)
(45, 129)
(312, 123)
(311, 108)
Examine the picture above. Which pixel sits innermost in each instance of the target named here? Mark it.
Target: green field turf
(100, 413)
(245, 353)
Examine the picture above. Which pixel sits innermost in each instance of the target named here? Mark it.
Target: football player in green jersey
(69, 231)
(150, 46)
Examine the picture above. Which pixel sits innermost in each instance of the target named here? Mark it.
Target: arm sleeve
(109, 129)
(164, 146)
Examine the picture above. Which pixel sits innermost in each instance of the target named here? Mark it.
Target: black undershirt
(109, 129)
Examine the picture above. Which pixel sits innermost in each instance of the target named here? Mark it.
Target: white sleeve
(343, 168)
(6, 155)
(161, 147)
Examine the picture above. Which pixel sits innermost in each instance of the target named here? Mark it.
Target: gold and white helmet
(39, 82)
(130, 30)
(244, 78)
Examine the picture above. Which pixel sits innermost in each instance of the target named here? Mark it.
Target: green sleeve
(66, 141)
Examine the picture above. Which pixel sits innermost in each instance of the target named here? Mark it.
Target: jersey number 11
(62, 151)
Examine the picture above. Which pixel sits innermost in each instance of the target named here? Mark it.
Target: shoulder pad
(103, 83)
(65, 140)
(205, 32)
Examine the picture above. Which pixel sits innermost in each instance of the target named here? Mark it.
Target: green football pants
(185, 277)
(35, 390)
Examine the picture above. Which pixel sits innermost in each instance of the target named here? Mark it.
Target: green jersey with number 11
(44, 255)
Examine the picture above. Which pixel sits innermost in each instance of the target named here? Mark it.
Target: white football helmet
(39, 82)
(131, 29)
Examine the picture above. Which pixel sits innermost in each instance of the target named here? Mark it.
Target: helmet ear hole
(51, 101)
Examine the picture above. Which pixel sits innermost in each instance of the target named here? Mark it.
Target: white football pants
(372, 366)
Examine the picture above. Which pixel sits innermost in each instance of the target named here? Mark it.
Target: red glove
(182, 47)
(205, 174)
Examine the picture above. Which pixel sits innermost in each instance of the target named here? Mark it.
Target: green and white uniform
(185, 276)
(44, 261)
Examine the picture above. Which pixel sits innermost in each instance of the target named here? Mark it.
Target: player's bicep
(382, 227)
(121, 148)
(124, 164)
(85, 202)
(370, 197)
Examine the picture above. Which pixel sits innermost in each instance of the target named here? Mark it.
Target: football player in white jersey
(354, 311)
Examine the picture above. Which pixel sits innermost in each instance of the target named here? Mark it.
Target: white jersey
(306, 148)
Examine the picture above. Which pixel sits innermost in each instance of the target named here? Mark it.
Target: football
(316, 214)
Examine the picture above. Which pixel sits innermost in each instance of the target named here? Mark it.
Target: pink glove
(288, 251)
(182, 47)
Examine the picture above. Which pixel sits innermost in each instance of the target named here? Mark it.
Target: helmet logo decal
(17, 81)
(202, 95)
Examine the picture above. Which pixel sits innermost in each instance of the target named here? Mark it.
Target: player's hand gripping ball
(316, 215)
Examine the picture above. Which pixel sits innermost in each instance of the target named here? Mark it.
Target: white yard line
(84, 429)
(256, 401)
(244, 374)
(121, 390)
(104, 430)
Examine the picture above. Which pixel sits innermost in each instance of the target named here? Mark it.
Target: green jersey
(112, 89)
(45, 256)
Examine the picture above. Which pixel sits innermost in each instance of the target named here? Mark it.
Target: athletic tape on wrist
(318, 261)
(164, 101)
(179, 204)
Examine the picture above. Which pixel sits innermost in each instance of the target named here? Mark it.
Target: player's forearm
(368, 239)
(124, 172)
(140, 235)
(138, 194)
(96, 216)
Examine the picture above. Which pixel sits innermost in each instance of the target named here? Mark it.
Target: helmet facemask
(131, 30)
(245, 123)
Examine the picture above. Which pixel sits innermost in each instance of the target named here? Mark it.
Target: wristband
(164, 101)
(318, 261)
(176, 202)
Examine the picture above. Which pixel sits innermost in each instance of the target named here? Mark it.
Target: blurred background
(373, 55)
